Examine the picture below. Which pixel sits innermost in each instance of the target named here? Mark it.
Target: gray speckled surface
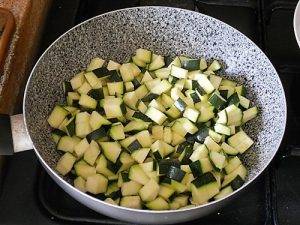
(166, 31)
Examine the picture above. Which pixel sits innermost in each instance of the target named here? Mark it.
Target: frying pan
(168, 31)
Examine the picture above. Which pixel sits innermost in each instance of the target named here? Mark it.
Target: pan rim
(98, 201)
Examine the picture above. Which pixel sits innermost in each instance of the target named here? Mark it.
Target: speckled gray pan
(116, 35)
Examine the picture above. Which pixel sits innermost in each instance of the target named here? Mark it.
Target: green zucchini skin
(204, 179)
(96, 134)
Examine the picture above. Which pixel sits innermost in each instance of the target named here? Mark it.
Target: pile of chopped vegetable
(153, 133)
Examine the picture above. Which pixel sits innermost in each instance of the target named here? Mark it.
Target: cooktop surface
(29, 196)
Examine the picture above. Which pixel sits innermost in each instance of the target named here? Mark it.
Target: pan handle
(13, 135)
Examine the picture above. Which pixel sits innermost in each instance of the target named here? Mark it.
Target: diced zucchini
(130, 188)
(240, 90)
(244, 102)
(190, 64)
(175, 62)
(200, 167)
(81, 148)
(130, 99)
(173, 112)
(179, 72)
(191, 114)
(162, 87)
(131, 202)
(112, 107)
(95, 63)
(240, 141)
(84, 88)
(93, 80)
(140, 155)
(77, 80)
(65, 163)
(138, 62)
(224, 192)
(203, 64)
(96, 94)
(96, 120)
(82, 129)
(222, 117)
(234, 115)
(249, 114)
(157, 105)
(211, 144)
(175, 173)
(158, 147)
(218, 159)
(204, 83)
(112, 65)
(149, 191)
(157, 132)
(144, 138)
(206, 111)
(129, 86)
(87, 102)
(215, 136)
(156, 63)
(136, 125)
(240, 171)
(199, 153)
(204, 188)
(167, 135)
(115, 88)
(101, 167)
(177, 138)
(144, 55)
(141, 91)
(232, 164)
(190, 156)
(79, 183)
(146, 77)
(162, 73)
(56, 135)
(228, 149)
(126, 161)
(217, 100)
(136, 173)
(142, 107)
(96, 184)
(214, 66)
(222, 129)
(111, 150)
(188, 125)
(165, 191)
(91, 154)
(158, 204)
(57, 116)
(116, 131)
(215, 81)
(226, 82)
(156, 115)
(128, 71)
(67, 144)
(84, 170)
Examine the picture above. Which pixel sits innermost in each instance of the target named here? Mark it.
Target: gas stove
(29, 196)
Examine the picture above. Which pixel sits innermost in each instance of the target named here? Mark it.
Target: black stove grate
(274, 197)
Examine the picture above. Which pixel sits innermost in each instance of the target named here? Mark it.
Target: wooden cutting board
(29, 17)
